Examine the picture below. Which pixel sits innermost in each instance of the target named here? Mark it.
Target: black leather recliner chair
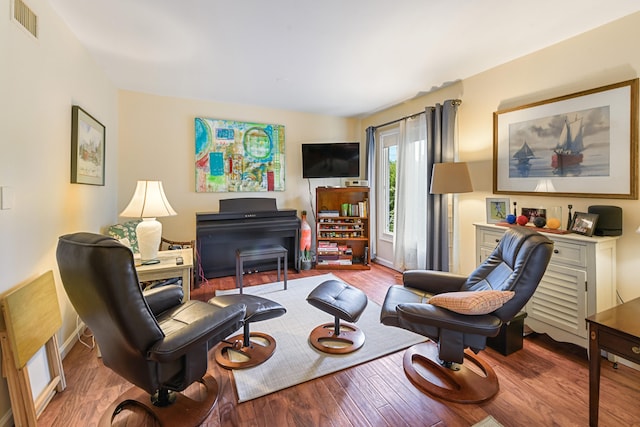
(517, 264)
(153, 340)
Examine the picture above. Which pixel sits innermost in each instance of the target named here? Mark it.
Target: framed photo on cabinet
(497, 210)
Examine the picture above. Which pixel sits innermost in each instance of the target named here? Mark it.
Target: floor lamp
(451, 178)
(148, 202)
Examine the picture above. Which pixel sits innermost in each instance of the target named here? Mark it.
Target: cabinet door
(560, 300)
(484, 253)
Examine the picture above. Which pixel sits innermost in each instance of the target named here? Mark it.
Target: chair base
(350, 335)
(183, 412)
(465, 385)
(256, 353)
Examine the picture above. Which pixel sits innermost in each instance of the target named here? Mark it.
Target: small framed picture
(87, 148)
(584, 223)
(497, 210)
(533, 213)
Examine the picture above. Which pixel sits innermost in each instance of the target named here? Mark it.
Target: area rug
(295, 360)
(488, 422)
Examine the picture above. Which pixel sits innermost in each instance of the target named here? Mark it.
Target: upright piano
(244, 223)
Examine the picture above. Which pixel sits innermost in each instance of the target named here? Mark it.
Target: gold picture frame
(579, 145)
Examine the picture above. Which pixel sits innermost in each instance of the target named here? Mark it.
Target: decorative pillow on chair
(472, 302)
(127, 231)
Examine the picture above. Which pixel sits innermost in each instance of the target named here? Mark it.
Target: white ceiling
(335, 57)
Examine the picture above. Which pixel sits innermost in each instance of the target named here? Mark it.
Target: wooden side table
(168, 268)
(615, 331)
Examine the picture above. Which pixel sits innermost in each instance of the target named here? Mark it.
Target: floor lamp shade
(148, 202)
(448, 178)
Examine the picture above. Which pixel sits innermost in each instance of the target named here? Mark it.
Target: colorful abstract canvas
(238, 156)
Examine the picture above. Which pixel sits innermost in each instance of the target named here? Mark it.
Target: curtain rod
(453, 101)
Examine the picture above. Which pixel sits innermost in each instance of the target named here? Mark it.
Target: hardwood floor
(544, 384)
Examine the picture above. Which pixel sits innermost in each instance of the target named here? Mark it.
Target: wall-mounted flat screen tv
(331, 160)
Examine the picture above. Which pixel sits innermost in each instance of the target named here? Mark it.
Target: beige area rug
(295, 360)
(488, 422)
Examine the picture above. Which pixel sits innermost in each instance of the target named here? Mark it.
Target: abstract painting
(234, 156)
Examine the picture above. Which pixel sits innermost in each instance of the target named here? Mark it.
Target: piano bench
(260, 253)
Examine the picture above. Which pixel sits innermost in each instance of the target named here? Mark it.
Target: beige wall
(597, 58)
(158, 142)
(151, 137)
(40, 81)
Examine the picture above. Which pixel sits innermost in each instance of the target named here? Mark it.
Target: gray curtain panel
(441, 122)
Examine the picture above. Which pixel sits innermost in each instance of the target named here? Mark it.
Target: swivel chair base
(349, 339)
(184, 411)
(254, 353)
(465, 385)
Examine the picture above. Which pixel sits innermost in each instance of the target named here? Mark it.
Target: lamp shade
(545, 186)
(148, 202)
(450, 178)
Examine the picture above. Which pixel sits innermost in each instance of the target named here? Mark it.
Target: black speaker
(609, 220)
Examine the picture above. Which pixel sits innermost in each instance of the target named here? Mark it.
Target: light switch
(7, 198)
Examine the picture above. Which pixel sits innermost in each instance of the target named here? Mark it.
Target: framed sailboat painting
(580, 145)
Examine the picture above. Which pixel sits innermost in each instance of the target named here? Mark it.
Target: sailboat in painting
(568, 152)
(523, 155)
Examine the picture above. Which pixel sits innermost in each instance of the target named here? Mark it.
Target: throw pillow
(472, 302)
(126, 230)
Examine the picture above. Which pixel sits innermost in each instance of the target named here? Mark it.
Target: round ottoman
(254, 351)
(344, 302)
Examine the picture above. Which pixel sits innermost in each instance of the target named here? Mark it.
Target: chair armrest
(199, 323)
(415, 314)
(163, 298)
(433, 282)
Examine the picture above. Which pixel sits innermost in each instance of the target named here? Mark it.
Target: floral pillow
(126, 233)
(472, 302)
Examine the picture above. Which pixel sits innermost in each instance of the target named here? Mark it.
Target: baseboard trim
(66, 347)
(7, 419)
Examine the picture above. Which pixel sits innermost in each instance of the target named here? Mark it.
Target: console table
(615, 331)
(580, 281)
(168, 268)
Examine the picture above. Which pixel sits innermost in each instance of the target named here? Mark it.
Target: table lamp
(449, 178)
(148, 202)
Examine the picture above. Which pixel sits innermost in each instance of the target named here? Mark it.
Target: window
(388, 160)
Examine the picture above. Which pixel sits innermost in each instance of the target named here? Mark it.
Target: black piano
(244, 223)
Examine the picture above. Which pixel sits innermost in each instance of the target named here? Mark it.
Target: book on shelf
(328, 250)
(328, 213)
(336, 262)
(363, 208)
(325, 244)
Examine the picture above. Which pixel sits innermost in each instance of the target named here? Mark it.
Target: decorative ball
(511, 219)
(553, 223)
(539, 221)
(522, 220)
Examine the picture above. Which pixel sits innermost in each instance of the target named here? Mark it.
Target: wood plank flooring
(544, 384)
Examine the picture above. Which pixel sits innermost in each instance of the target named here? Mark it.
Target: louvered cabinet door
(560, 302)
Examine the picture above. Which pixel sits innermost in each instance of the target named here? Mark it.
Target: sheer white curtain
(410, 237)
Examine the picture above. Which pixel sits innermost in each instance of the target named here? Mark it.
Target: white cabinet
(580, 281)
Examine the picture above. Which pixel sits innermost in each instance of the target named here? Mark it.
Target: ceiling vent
(25, 17)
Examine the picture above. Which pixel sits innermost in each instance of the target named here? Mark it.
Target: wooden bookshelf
(342, 228)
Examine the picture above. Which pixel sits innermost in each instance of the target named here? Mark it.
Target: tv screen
(331, 160)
